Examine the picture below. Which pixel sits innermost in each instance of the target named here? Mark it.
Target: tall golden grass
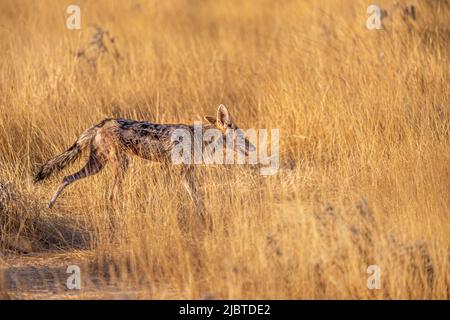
(363, 114)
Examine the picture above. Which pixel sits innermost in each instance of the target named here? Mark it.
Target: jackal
(113, 140)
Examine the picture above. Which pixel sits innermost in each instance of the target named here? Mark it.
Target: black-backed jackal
(113, 140)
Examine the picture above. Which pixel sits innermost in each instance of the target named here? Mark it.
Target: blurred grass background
(364, 122)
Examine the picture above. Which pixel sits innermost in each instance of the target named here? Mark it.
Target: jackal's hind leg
(120, 166)
(93, 166)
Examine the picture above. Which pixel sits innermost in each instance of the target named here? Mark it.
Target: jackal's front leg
(188, 180)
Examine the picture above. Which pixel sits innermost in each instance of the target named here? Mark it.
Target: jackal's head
(225, 123)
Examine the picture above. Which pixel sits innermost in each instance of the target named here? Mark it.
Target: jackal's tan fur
(113, 140)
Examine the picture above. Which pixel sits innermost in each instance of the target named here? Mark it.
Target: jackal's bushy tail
(69, 156)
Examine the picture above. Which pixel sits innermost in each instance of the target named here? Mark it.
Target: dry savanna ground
(364, 173)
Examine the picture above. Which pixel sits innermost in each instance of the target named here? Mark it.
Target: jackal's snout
(224, 122)
(248, 147)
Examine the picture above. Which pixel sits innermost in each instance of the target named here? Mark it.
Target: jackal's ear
(211, 120)
(223, 116)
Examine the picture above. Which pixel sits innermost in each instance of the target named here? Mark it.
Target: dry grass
(364, 120)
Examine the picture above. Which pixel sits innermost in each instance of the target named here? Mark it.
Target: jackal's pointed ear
(223, 116)
(211, 120)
